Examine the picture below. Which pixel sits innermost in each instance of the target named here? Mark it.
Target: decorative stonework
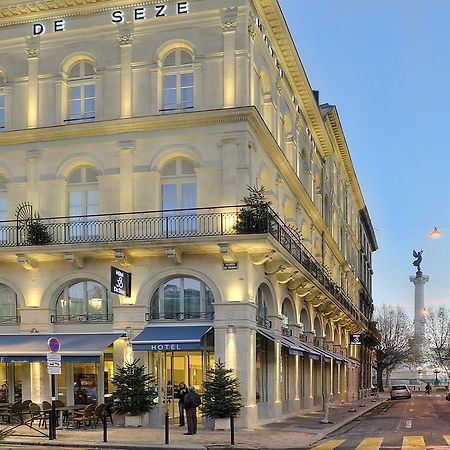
(32, 52)
(228, 25)
(125, 39)
(252, 31)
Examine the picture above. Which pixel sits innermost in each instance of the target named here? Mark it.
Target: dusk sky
(385, 64)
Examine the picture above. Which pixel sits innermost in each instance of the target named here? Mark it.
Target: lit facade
(133, 132)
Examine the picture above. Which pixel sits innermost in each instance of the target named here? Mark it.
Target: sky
(385, 64)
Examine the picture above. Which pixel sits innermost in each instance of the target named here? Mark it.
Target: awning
(315, 352)
(294, 349)
(170, 338)
(81, 347)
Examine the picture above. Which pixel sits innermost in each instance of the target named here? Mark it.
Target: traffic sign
(53, 344)
(53, 357)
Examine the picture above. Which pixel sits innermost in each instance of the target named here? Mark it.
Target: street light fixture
(436, 381)
(435, 234)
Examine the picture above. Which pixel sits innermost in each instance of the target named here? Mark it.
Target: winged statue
(418, 260)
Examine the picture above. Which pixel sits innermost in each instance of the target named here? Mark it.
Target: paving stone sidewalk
(298, 432)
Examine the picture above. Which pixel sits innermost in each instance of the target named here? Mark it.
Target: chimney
(316, 96)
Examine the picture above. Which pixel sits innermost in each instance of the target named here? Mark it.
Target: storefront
(175, 354)
(86, 370)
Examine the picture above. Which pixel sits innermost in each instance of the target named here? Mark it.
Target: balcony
(83, 318)
(208, 316)
(174, 224)
(286, 331)
(263, 322)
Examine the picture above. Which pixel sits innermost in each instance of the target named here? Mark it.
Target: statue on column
(418, 260)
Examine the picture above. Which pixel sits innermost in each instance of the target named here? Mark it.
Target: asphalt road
(423, 422)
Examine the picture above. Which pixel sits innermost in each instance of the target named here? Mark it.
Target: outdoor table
(68, 409)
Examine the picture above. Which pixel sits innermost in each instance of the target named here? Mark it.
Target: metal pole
(105, 425)
(52, 426)
(232, 429)
(166, 423)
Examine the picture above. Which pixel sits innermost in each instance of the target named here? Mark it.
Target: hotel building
(129, 134)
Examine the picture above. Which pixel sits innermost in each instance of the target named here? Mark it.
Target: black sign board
(356, 339)
(120, 282)
(230, 266)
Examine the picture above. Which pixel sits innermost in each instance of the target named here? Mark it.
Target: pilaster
(228, 26)
(126, 156)
(33, 175)
(125, 38)
(32, 51)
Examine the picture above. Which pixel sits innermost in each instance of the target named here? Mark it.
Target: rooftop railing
(173, 224)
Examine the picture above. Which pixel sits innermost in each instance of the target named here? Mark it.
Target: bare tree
(437, 332)
(396, 332)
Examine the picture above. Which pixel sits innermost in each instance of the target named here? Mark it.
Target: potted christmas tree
(254, 216)
(37, 233)
(221, 398)
(135, 392)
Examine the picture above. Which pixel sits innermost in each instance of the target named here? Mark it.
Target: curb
(342, 423)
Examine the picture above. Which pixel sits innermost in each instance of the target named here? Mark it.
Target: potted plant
(37, 233)
(135, 392)
(253, 217)
(221, 398)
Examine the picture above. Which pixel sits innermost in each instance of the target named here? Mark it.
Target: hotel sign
(121, 16)
(356, 339)
(120, 282)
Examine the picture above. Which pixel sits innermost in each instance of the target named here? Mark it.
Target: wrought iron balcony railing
(285, 331)
(179, 316)
(9, 320)
(174, 224)
(263, 322)
(83, 318)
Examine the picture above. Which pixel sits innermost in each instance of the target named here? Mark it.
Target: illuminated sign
(356, 339)
(119, 16)
(120, 282)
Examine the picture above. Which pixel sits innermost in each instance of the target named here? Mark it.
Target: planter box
(133, 421)
(222, 424)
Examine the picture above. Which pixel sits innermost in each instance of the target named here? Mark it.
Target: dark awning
(294, 349)
(81, 347)
(170, 338)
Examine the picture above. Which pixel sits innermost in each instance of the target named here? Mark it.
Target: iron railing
(83, 318)
(179, 316)
(13, 320)
(285, 331)
(263, 322)
(174, 224)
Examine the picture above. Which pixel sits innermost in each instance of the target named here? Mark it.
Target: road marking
(408, 423)
(370, 444)
(413, 443)
(330, 445)
(411, 410)
(447, 438)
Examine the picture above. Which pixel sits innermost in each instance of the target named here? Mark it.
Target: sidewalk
(298, 432)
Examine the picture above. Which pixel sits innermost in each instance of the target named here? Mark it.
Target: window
(261, 307)
(83, 201)
(262, 369)
(83, 301)
(177, 82)
(3, 211)
(182, 298)
(81, 93)
(8, 304)
(179, 192)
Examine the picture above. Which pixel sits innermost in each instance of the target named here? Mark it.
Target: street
(420, 423)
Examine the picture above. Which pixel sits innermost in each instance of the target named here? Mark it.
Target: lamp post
(436, 381)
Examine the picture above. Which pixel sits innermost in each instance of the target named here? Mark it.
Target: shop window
(83, 204)
(4, 397)
(182, 298)
(177, 82)
(85, 383)
(81, 95)
(284, 373)
(8, 305)
(261, 369)
(179, 197)
(83, 301)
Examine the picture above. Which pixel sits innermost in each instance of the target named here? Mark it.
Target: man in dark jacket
(191, 403)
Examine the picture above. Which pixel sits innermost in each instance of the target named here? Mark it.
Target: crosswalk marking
(447, 438)
(413, 443)
(330, 445)
(370, 444)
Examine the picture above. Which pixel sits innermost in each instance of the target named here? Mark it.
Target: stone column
(419, 307)
(32, 52)
(229, 26)
(126, 156)
(125, 38)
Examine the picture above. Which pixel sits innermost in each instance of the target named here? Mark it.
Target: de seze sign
(120, 282)
(356, 339)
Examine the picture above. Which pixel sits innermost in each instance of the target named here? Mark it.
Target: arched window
(84, 301)
(83, 200)
(262, 302)
(177, 82)
(287, 317)
(3, 209)
(8, 304)
(179, 192)
(81, 93)
(182, 298)
(2, 102)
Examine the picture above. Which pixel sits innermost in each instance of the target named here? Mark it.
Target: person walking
(428, 388)
(182, 391)
(191, 402)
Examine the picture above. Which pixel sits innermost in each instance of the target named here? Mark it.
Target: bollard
(166, 427)
(105, 425)
(326, 404)
(232, 429)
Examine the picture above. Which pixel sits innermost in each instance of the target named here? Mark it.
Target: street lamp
(436, 381)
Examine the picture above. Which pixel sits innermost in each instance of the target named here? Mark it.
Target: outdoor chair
(98, 413)
(37, 414)
(84, 417)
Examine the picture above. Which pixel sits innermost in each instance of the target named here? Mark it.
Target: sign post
(53, 368)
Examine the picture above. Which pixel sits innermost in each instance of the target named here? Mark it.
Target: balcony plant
(253, 217)
(135, 392)
(37, 232)
(221, 397)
